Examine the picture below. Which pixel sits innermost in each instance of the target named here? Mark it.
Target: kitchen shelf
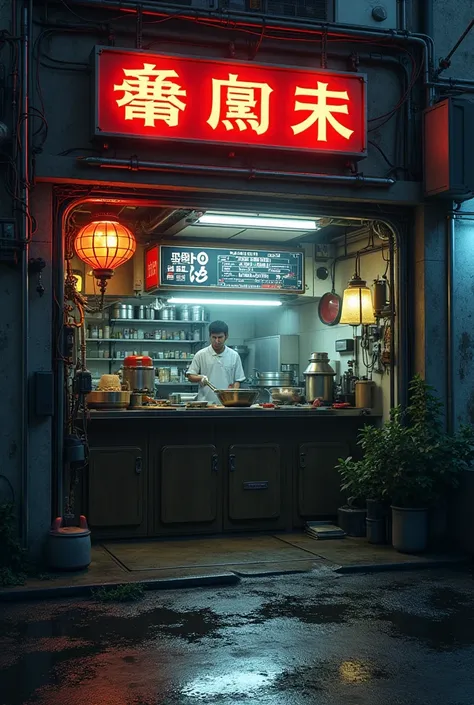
(121, 359)
(142, 341)
(156, 320)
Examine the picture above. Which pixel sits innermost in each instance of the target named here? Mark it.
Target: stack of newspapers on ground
(323, 530)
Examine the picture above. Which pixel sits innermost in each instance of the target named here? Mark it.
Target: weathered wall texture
(63, 91)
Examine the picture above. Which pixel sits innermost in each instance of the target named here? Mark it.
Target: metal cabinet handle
(138, 465)
(215, 460)
(302, 460)
(232, 463)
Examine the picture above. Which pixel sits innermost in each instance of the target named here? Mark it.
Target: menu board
(231, 268)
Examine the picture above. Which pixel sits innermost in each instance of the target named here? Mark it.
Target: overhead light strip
(245, 221)
(224, 302)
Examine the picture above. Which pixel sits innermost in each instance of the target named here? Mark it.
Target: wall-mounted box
(449, 150)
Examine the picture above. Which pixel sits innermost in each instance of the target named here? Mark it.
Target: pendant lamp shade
(357, 306)
(104, 244)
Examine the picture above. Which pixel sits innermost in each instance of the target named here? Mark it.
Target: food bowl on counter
(287, 395)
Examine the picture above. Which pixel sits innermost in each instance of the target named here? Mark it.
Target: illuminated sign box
(187, 99)
(242, 268)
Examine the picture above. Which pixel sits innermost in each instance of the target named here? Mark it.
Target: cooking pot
(139, 373)
(274, 379)
(234, 397)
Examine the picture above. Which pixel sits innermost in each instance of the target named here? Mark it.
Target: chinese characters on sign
(169, 97)
(221, 268)
(187, 265)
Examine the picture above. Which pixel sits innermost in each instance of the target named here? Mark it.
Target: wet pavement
(319, 639)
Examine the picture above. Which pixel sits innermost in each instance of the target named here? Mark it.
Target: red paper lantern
(104, 244)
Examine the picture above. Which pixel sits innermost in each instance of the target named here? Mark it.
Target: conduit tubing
(231, 20)
(251, 174)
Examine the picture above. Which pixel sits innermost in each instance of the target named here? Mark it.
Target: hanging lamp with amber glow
(104, 244)
(357, 307)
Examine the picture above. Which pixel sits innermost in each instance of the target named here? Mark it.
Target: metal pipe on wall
(450, 254)
(137, 165)
(424, 42)
(25, 233)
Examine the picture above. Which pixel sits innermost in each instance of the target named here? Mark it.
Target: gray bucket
(69, 547)
(409, 530)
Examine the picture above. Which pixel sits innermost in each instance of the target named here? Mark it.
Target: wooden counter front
(187, 472)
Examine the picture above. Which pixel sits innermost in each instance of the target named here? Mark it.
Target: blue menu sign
(231, 268)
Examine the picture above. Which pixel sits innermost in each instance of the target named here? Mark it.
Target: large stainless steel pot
(139, 373)
(108, 400)
(287, 395)
(319, 378)
(235, 397)
(168, 313)
(274, 379)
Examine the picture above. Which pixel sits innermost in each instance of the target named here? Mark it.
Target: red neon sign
(156, 96)
(151, 268)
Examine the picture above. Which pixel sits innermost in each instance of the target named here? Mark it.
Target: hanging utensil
(330, 303)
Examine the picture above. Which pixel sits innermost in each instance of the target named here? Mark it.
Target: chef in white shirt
(217, 363)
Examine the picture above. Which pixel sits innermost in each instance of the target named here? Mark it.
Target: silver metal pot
(149, 313)
(130, 311)
(274, 379)
(287, 395)
(184, 312)
(168, 313)
(319, 378)
(198, 313)
(108, 400)
(140, 312)
(139, 378)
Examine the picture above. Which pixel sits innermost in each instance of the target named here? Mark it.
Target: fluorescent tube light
(248, 221)
(224, 302)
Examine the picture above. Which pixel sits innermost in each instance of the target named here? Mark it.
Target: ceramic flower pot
(409, 529)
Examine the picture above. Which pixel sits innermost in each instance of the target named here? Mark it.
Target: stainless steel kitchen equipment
(287, 395)
(184, 312)
(241, 350)
(168, 313)
(198, 313)
(273, 379)
(129, 311)
(235, 397)
(271, 352)
(149, 313)
(140, 312)
(292, 369)
(139, 373)
(108, 400)
(319, 378)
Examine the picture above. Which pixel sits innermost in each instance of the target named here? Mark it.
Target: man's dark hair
(218, 327)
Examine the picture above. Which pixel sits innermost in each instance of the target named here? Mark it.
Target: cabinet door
(116, 487)
(319, 483)
(254, 482)
(189, 484)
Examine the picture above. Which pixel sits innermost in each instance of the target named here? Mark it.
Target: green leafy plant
(410, 460)
(12, 555)
(129, 592)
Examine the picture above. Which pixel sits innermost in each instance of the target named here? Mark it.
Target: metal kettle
(319, 378)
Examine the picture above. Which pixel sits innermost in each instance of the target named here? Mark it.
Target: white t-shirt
(221, 369)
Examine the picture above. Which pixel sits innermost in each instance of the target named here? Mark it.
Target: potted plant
(351, 517)
(368, 475)
(411, 461)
